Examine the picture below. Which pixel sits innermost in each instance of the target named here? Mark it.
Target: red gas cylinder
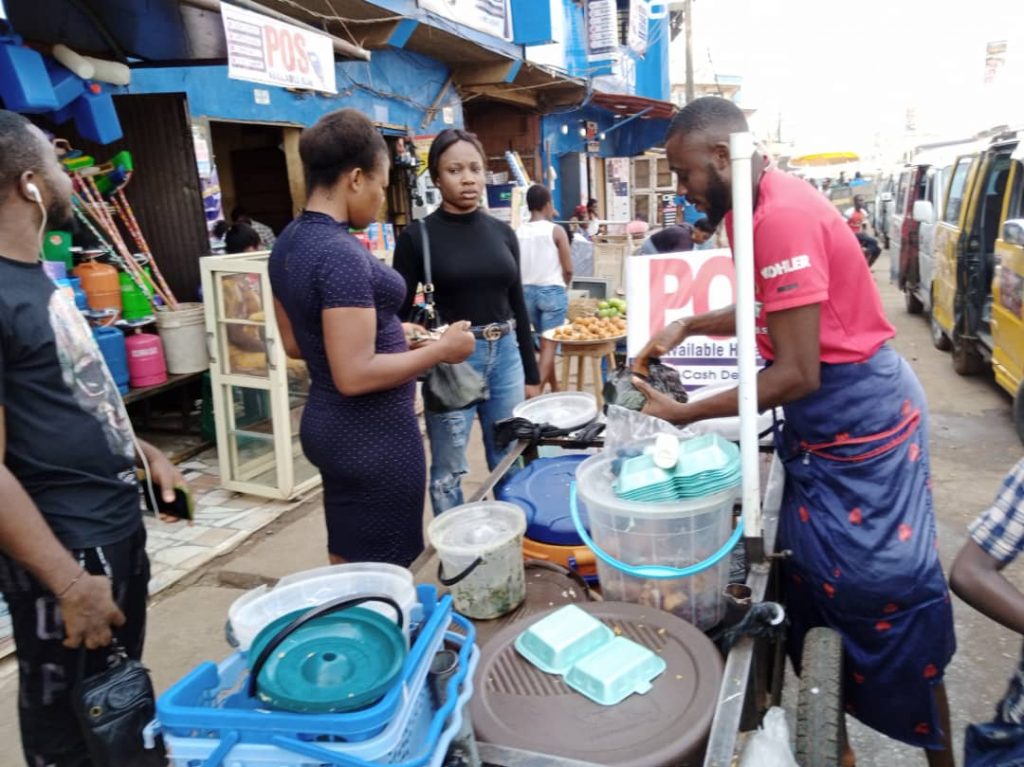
(146, 366)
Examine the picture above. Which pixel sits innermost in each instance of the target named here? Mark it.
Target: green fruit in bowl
(604, 313)
(603, 304)
(613, 312)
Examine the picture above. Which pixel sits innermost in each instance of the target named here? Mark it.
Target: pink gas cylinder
(146, 366)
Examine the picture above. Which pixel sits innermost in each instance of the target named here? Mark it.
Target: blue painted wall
(395, 87)
(652, 75)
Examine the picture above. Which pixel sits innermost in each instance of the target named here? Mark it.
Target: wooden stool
(595, 352)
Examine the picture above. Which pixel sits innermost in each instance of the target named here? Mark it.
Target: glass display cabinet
(258, 393)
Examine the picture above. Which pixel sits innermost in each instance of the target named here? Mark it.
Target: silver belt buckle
(492, 332)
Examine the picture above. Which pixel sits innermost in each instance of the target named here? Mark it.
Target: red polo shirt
(805, 253)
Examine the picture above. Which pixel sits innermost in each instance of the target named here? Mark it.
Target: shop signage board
(664, 288)
(490, 16)
(637, 33)
(602, 29)
(272, 52)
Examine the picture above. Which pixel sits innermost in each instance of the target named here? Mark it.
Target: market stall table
(179, 382)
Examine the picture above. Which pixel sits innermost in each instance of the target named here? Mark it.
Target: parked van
(917, 281)
(903, 229)
(979, 268)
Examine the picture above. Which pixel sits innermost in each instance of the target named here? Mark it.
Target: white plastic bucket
(255, 609)
(480, 546)
(184, 335)
(675, 534)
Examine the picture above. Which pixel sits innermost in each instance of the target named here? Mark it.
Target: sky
(842, 75)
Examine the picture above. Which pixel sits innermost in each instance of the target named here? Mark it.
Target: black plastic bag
(619, 389)
(453, 387)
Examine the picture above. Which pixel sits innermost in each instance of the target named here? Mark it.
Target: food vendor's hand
(457, 343)
(532, 390)
(89, 612)
(664, 341)
(660, 405)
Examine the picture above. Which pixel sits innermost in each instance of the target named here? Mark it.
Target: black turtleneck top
(475, 267)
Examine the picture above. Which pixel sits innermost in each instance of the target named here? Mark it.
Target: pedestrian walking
(73, 564)
(546, 268)
(337, 307)
(857, 509)
(476, 275)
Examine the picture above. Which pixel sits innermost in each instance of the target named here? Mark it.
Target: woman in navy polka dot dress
(337, 308)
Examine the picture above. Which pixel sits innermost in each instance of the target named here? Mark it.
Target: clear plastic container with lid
(480, 546)
(675, 534)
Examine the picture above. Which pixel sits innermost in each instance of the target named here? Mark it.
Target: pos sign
(265, 50)
(664, 288)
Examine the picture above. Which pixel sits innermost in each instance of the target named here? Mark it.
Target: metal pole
(688, 21)
(741, 149)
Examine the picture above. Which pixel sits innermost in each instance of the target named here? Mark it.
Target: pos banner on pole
(664, 288)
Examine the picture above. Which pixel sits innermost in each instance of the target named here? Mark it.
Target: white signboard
(637, 34)
(602, 28)
(493, 17)
(265, 50)
(663, 288)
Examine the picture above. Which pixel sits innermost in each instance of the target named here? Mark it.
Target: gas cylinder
(112, 344)
(101, 285)
(146, 365)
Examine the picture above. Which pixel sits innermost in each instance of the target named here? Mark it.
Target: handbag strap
(428, 275)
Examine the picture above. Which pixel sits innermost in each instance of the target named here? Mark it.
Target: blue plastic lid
(542, 491)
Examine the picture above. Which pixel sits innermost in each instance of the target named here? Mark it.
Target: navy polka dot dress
(368, 448)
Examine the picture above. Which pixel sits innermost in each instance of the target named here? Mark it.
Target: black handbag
(425, 314)
(446, 386)
(113, 707)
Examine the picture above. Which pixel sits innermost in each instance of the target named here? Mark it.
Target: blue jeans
(501, 366)
(546, 306)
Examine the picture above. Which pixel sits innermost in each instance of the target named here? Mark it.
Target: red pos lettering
(674, 286)
(286, 49)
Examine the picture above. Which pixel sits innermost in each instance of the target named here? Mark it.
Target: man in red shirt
(857, 511)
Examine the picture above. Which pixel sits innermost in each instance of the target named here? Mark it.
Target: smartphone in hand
(183, 507)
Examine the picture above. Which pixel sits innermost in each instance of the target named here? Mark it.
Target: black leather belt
(494, 331)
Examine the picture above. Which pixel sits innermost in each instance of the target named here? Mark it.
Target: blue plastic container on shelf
(67, 86)
(24, 83)
(419, 736)
(111, 343)
(96, 118)
(207, 699)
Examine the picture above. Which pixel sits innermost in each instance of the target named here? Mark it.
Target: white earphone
(33, 192)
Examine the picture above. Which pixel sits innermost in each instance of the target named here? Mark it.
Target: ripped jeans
(501, 366)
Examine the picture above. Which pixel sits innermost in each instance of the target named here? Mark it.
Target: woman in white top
(546, 264)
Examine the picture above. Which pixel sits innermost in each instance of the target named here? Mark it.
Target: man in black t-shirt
(73, 564)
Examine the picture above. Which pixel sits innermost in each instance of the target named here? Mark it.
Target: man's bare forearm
(721, 322)
(28, 540)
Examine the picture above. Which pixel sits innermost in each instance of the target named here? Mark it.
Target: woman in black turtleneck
(475, 268)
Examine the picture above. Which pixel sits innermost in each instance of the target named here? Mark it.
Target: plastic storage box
(418, 736)
(24, 83)
(209, 700)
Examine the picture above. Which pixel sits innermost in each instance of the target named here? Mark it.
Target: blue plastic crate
(419, 737)
(24, 84)
(212, 701)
